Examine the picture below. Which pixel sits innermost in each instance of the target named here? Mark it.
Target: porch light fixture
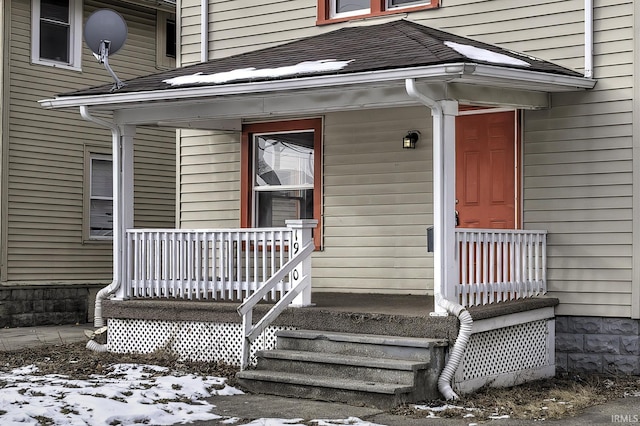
(410, 140)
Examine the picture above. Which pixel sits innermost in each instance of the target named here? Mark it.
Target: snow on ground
(128, 394)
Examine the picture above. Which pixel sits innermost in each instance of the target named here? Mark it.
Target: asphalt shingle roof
(391, 45)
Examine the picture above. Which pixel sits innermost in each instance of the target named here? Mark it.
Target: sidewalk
(250, 407)
(24, 337)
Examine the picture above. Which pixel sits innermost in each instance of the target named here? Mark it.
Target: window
(281, 173)
(342, 10)
(99, 202)
(166, 40)
(56, 33)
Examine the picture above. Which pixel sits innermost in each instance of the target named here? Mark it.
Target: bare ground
(544, 399)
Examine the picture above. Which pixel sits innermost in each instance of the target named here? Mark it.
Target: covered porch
(260, 272)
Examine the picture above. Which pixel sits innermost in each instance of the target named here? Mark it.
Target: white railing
(301, 282)
(222, 264)
(497, 265)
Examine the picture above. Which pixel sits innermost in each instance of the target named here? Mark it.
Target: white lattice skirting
(194, 341)
(502, 351)
(508, 350)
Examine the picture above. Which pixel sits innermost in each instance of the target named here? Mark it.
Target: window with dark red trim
(281, 174)
(330, 11)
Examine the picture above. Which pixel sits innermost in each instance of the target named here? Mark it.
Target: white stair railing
(251, 331)
(498, 264)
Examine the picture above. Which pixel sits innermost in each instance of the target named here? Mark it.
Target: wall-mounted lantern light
(410, 140)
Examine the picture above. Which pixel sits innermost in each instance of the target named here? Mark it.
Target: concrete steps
(358, 369)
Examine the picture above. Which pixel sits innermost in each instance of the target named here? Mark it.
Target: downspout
(456, 354)
(466, 322)
(117, 239)
(588, 38)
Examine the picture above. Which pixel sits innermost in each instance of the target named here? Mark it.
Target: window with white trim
(100, 214)
(56, 33)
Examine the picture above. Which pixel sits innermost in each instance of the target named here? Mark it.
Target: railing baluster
(224, 262)
(263, 246)
(214, 265)
(272, 259)
(255, 261)
(238, 265)
(246, 244)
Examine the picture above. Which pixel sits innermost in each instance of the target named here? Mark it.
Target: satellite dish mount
(105, 33)
(103, 58)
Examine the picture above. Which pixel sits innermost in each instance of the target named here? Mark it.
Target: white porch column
(445, 274)
(302, 235)
(123, 206)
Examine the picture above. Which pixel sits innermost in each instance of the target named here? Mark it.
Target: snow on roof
(484, 55)
(305, 67)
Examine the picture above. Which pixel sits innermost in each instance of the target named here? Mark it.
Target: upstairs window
(56, 32)
(281, 174)
(166, 40)
(342, 10)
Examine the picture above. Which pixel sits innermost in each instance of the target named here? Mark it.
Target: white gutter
(440, 275)
(439, 72)
(204, 31)
(588, 38)
(117, 236)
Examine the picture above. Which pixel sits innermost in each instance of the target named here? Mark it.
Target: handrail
(245, 310)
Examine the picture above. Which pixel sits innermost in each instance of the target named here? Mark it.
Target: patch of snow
(352, 421)
(485, 55)
(275, 422)
(306, 67)
(440, 408)
(496, 417)
(129, 394)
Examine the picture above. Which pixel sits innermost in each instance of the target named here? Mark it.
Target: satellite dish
(105, 33)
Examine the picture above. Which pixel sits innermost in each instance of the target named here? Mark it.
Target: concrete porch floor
(389, 304)
(381, 314)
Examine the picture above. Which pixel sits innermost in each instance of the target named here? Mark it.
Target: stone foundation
(32, 306)
(597, 345)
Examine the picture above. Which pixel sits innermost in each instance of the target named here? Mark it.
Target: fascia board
(438, 72)
(546, 81)
(448, 72)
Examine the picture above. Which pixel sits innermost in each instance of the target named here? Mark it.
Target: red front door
(485, 170)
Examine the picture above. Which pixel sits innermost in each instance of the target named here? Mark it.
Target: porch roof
(357, 66)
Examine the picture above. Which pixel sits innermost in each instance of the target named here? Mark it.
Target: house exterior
(55, 167)
(570, 137)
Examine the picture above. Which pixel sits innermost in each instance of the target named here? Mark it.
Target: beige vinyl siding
(189, 21)
(4, 84)
(578, 177)
(377, 203)
(46, 157)
(209, 179)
